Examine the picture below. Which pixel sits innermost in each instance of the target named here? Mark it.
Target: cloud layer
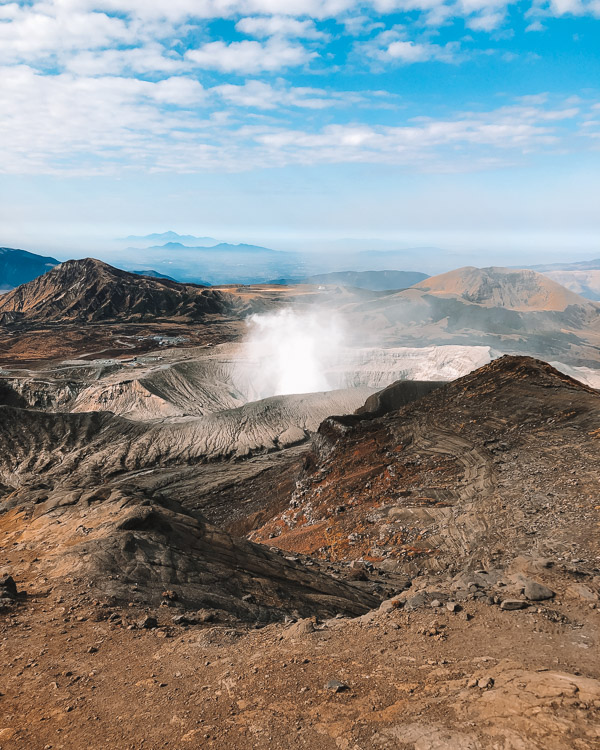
(103, 86)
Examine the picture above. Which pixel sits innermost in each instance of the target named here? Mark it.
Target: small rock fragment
(302, 627)
(336, 686)
(511, 604)
(147, 623)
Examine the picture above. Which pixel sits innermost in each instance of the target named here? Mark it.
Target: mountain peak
(90, 290)
(523, 290)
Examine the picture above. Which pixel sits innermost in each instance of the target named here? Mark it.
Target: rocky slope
(132, 548)
(457, 479)
(473, 507)
(84, 448)
(91, 291)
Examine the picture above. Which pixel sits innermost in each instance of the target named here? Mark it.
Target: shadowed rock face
(132, 548)
(397, 395)
(91, 291)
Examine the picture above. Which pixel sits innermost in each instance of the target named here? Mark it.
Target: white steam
(289, 352)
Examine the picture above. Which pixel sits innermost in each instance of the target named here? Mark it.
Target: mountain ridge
(90, 290)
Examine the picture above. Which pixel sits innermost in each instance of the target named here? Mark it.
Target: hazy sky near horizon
(460, 123)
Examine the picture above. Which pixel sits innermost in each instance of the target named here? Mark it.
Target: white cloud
(151, 58)
(392, 46)
(411, 52)
(265, 26)
(176, 10)
(108, 124)
(27, 35)
(262, 95)
(469, 141)
(249, 56)
(486, 21)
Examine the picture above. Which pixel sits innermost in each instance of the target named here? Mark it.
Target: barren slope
(474, 505)
(495, 463)
(523, 290)
(89, 290)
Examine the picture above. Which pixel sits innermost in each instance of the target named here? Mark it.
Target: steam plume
(289, 352)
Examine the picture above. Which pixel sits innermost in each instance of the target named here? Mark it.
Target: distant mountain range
(377, 281)
(184, 239)
(216, 263)
(19, 267)
(220, 247)
(582, 265)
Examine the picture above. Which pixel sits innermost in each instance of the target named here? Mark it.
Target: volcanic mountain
(512, 311)
(19, 267)
(92, 291)
(524, 290)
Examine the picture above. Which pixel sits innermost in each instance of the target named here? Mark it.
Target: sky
(472, 125)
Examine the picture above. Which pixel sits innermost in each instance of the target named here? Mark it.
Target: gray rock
(336, 686)
(148, 622)
(510, 604)
(537, 592)
(8, 587)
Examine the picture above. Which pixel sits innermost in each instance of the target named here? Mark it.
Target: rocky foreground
(428, 577)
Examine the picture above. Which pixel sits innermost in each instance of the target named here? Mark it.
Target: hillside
(454, 479)
(515, 312)
(521, 290)
(18, 267)
(91, 291)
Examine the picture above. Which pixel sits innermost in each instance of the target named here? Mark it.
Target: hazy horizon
(470, 127)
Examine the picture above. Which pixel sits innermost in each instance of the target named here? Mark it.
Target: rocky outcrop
(131, 548)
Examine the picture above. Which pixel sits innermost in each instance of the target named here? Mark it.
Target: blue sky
(470, 124)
